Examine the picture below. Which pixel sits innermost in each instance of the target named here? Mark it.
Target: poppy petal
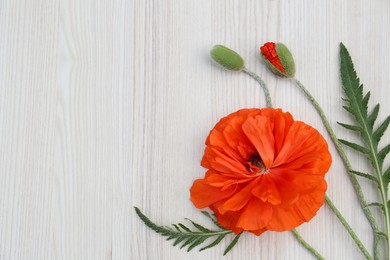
(204, 195)
(259, 131)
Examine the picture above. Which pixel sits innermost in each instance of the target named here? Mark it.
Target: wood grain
(105, 105)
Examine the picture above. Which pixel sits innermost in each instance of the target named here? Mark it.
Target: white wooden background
(106, 104)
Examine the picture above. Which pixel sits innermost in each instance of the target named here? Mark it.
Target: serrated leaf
(357, 106)
(366, 98)
(382, 154)
(188, 241)
(354, 146)
(178, 240)
(184, 227)
(176, 227)
(386, 176)
(199, 227)
(214, 243)
(232, 244)
(373, 116)
(348, 109)
(350, 127)
(365, 175)
(377, 135)
(212, 219)
(183, 234)
(197, 242)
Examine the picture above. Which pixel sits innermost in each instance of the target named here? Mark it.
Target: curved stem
(269, 104)
(262, 84)
(347, 227)
(306, 245)
(348, 166)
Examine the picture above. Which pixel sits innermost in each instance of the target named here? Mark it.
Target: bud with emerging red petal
(279, 59)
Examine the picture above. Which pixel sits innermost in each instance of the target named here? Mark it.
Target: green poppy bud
(227, 58)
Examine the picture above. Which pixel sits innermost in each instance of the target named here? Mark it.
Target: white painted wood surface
(105, 105)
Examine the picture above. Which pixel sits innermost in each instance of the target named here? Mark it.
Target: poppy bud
(279, 59)
(227, 58)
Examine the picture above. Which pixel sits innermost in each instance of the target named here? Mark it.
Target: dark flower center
(256, 164)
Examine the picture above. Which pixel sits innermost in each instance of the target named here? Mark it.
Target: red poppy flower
(265, 171)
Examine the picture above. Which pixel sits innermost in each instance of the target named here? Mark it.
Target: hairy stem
(306, 245)
(348, 166)
(262, 84)
(347, 227)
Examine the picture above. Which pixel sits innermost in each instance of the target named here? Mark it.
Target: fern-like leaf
(377, 135)
(213, 219)
(232, 244)
(386, 177)
(382, 154)
(357, 105)
(373, 116)
(181, 234)
(350, 127)
(365, 175)
(354, 146)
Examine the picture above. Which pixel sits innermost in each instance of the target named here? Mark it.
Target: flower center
(256, 164)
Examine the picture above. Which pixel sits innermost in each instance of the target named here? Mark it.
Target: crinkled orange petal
(239, 199)
(282, 124)
(259, 131)
(227, 220)
(302, 211)
(267, 191)
(256, 215)
(302, 141)
(204, 195)
(213, 159)
(221, 180)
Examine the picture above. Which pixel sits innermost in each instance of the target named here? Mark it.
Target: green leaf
(199, 227)
(182, 234)
(357, 106)
(377, 135)
(350, 127)
(214, 243)
(354, 146)
(373, 116)
(188, 241)
(382, 154)
(348, 109)
(232, 244)
(386, 176)
(365, 175)
(184, 227)
(213, 219)
(365, 99)
(197, 242)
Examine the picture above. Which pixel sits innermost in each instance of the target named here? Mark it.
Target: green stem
(348, 166)
(306, 245)
(269, 104)
(262, 84)
(347, 227)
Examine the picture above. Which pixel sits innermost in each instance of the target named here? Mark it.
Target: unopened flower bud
(279, 59)
(227, 58)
